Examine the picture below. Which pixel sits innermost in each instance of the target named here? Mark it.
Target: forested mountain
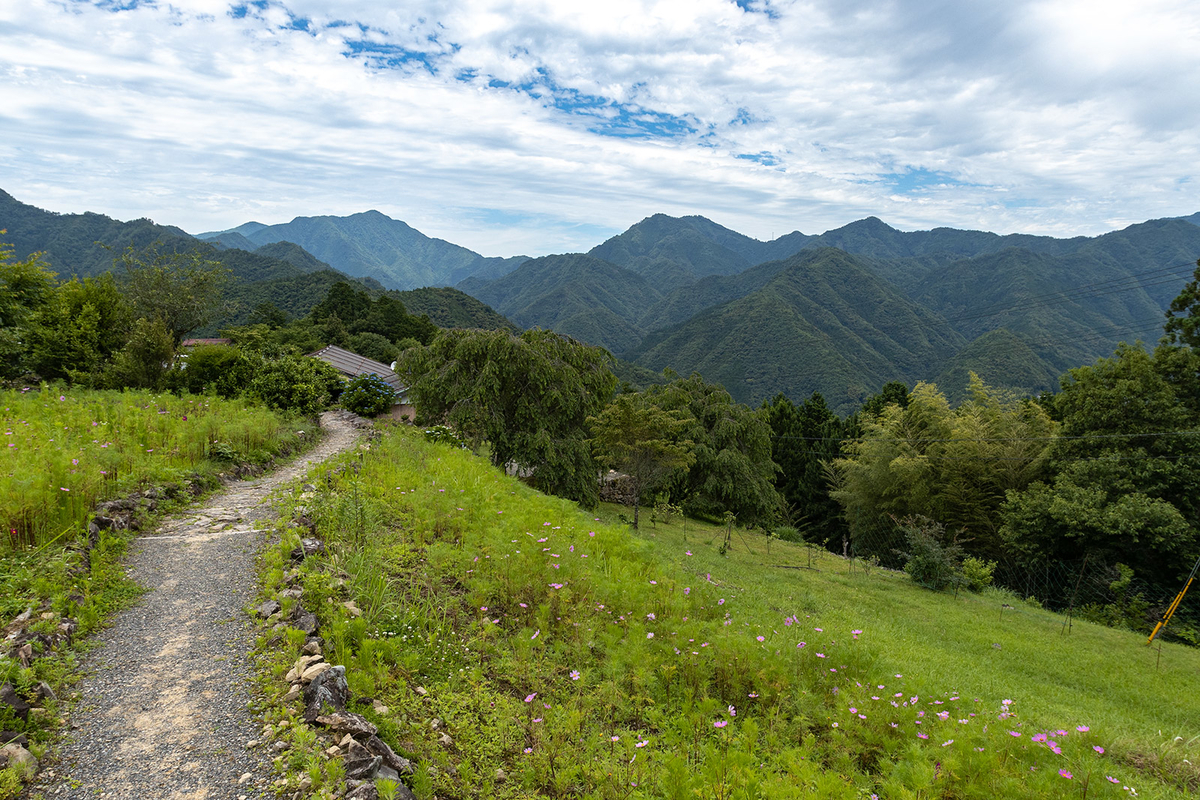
(584, 297)
(823, 323)
(373, 245)
(75, 244)
(840, 312)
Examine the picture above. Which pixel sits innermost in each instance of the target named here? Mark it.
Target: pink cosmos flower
(721, 723)
(1065, 774)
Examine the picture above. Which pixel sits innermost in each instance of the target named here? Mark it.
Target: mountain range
(840, 312)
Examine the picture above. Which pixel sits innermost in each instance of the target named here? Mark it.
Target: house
(199, 342)
(351, 365)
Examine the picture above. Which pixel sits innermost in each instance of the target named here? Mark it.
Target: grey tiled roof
(352, 364)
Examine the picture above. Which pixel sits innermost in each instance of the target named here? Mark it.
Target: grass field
(583, 660)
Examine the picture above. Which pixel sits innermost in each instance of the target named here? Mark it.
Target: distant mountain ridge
(373, 245)
(839, 312)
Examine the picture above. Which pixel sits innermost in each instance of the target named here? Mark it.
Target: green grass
(61, 453)
(541, 633)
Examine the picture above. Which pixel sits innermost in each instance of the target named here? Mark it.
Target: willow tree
(529, 397)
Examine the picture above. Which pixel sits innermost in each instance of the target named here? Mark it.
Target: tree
(951, 465)
(83, 325)
(146, 358)
(25, 286)
(182, 289)
(1126, 483)
(641, 440)
(1183, 316)
(733, 471)
(528, 396)
(805, 439)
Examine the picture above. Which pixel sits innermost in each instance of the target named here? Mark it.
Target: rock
(295, 594)
(280, 746)
(314, 671)
(292, 693)
(302, 663)
(363, 790)
(379, 707)
(45, 693)
(346, 740)
(246, 778)
(435, 723)
(14, 755)
(348, 722)
(267, 609)
(308, 547)
(313, 647)
(328, 693)
(354, 610)
(307, 622)
(421, 690)
(308, 487)
(391, 760)
(10, 698)
(501, 776)
(361, 764)
(25, 654)
(16, 737)
(104, 523)
(445, 740)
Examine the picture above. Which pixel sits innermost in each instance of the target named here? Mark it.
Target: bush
(930, 561)
(440, 434)
(218, 368)
(296, 383)
(977, 573)
(368, 395)
(787, 533)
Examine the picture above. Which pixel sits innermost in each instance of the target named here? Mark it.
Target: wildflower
(535, 634)
(1098, 749)
(818, 630)
(651, 616)
(721, 602)
(529, 699)
(732, 711)
(752, 694)
(922, 736)
(1065, 774)
(528, 750)
(800, 645)
(537, 719)
(1083, 728)
(721, 723)
(835, 724)
(1111, 779)
(642, 743)
(574, 674)
(820, 655)
(947, 743)
(761, 638)
(687, 590)
(650, 635)
(616, 738)
(687, 552)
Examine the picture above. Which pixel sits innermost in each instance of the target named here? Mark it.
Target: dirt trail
(163, 710)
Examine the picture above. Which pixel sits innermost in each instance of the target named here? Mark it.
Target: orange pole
(1162, 623)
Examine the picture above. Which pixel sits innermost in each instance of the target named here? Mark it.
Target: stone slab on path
(163, 702)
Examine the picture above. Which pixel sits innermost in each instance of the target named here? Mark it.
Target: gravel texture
(163, 705)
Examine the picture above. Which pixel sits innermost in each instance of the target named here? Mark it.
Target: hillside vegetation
(564, 655)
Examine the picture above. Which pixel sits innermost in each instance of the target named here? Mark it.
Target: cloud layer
(535, 127)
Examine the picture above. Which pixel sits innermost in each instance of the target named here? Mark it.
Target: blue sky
(543, 126)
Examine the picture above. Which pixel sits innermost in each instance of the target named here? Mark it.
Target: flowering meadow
(568, 657)
(65, 450)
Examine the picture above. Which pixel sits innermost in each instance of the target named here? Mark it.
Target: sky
(547, 126)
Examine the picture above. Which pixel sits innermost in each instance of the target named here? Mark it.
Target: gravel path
(163, 707)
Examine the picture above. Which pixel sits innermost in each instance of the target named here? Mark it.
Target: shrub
(788, 533)
(440, 434)
(218, 368)
(930, 560)
(295, 383)
(368, 395)
(977, 573)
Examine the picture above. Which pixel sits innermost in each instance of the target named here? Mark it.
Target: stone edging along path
(163, 709)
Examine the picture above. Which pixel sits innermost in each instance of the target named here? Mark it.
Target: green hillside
(451, 308)
(76, 244)
(1000, 358)
(565, 655)
(584, 297)
(824, 323)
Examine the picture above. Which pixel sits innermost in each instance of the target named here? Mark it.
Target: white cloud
(492, 123)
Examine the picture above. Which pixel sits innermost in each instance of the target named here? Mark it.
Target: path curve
(163, 704)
